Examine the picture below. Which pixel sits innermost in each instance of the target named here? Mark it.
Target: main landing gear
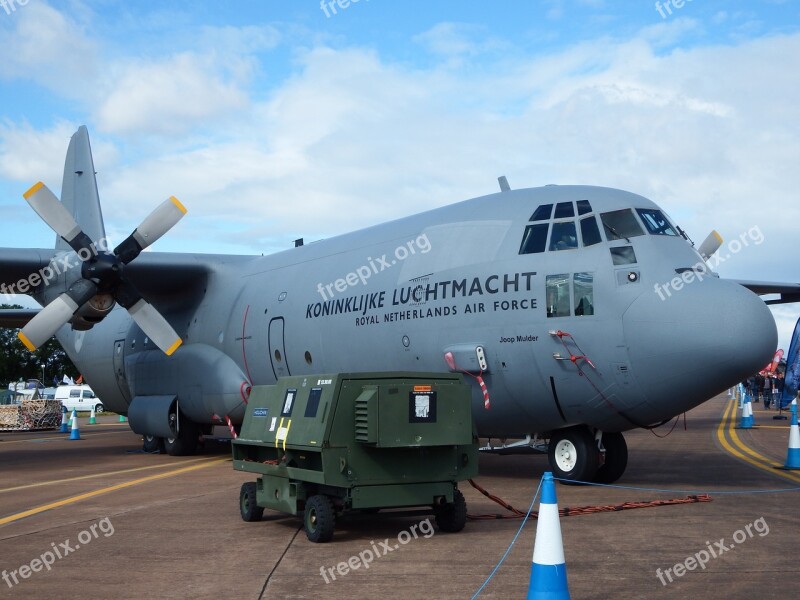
(575, 453)
(183, 442)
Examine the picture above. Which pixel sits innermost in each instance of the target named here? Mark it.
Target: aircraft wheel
(185, 442)
(573, 454)
(248, 506)
(319, 519)
(451, 518)
(98, 408)
(152, 444)
(616, 458)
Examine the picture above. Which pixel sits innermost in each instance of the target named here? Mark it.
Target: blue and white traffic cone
(793, 453)
(92, 417)
(75, 434)
(72, 417)
(548, 570)
(64, 420)
(746, 421)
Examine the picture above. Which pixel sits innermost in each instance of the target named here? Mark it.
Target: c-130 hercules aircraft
(576, 312)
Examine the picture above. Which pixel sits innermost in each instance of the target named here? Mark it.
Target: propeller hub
(105, 270)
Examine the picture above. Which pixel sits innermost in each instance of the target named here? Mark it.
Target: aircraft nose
(695, 342)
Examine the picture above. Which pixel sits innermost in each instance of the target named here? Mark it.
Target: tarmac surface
(112, 522)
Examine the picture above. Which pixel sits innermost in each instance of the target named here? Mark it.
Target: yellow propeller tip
(174, 347)
(34, 188)
(28, 344)
(178, 203)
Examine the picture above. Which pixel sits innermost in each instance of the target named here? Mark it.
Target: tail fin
(79, 189)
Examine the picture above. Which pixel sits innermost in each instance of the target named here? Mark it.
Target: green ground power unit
(324, 445)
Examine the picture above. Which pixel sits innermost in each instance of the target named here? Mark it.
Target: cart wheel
(319, 519)
(248, 506)
(451, 518)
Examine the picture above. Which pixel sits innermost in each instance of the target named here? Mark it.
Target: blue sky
(272, 121)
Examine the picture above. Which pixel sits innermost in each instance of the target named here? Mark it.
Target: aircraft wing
(172, 281)
(790, 292)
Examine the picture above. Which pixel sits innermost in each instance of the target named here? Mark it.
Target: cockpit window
(564, 210)
(584, 207)
(535, 238)
(557, 295)
(620, 224)
(584, 296)
(655, 222)
(542, 213)
(589, 230)
(623, 255)
(564, 236)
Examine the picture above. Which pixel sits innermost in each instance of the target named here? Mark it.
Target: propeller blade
(156, 224)
(52, 212)
(49, 320)
(710, 245)
(155, 326)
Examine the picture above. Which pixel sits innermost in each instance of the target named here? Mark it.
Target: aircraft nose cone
(688, 346)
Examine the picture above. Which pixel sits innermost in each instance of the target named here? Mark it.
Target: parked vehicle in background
(78, 397)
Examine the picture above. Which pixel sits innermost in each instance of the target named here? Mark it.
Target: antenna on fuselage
(504, 187)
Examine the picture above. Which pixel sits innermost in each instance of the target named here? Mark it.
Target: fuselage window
(557, 295)
(584, 208)
(584, 296)
(564, 236)
(590, 232)
(620, 224)
(655, 222)
(534, 240)
(542, 213)
(623, 255)
(564, 210)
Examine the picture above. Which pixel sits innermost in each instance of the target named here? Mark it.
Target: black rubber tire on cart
(319, 519)
(248, 506)
(452, 517)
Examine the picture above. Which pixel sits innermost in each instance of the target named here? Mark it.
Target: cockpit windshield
(655, 222)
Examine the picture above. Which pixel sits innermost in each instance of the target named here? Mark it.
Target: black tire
(573, 454)
(98, 408)
(319, 519)
(186, 440)
(152, 444)
(248, 505)
(616, 458)
(452, 517)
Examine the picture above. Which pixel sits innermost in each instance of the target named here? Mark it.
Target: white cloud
(170, 96)
(50, 48)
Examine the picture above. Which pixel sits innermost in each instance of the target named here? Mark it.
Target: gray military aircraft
(577, 313)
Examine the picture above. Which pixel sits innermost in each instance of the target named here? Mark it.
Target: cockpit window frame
(649, 215)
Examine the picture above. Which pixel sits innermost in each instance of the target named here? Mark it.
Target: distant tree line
(16, 362)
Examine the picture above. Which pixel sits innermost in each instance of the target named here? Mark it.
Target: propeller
(710, 245)
(102, 272)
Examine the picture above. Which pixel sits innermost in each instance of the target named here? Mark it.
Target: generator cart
(324, 445)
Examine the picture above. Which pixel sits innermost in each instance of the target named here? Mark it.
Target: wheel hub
(566, 455)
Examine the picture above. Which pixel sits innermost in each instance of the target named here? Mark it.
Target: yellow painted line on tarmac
(95, 475)
(726, 428)
(106, 490)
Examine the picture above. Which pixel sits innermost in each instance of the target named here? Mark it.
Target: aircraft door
(277, 348)
(119, 369)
